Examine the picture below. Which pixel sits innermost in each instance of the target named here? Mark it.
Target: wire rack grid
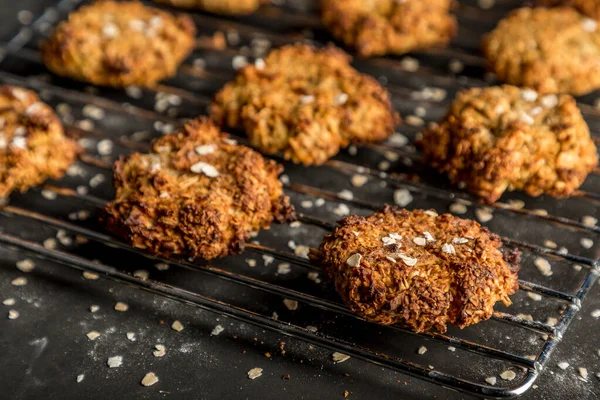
(57, 221)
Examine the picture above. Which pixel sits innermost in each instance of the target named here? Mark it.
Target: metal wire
(400, 87)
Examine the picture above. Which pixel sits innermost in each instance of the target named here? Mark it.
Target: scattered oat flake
(25, 265)
(93, 335)
(508, 375)
(49, 194)
(583, 372)
(458, 208)
(255, 373)
(589, 221)
(177, 326)
(422, 350)
(283, 268)
(419, 241)
(551, 321)
(596, 313)
(268, 259)
(205, 149)
(451, 348)
(460, 240)
(483, 214)
(388, 240)
(20, 281)
(448, 248)
(90, 275)
(251, 262)
(543, 266)
(354, 260)
(149, 379)
(358, 180)
(120, 306)
(410, 261)
(586, 243)
(142, 274)
(550, 244)
(534, 296)
(204, 168)
(94, 308)
(301, 251)
(563, 365)
(114, 362)
(339, 357)
(80, 378)
(160, 351)
(341, 210)
(346, 195)
(526, 317)
(13, 314)
(131, 336)
(9, 302)
(429, 236)
(291, 305)
(313, 276)
(216, 330)
(491, 380)
(402, 197)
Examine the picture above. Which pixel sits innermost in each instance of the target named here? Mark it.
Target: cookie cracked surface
(306, 103)
(33, 146)
(418, 269)
(197, 194)
(118, 44)
(591, 8)
(389, 26)
(225, 7)
(551, 50)
(505, 138)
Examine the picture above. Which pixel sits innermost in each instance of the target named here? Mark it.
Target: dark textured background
(44, 350)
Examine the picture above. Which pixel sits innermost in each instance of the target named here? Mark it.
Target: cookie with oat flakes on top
(306, 103)
(418, 269)
(196, 194)
(551, 50)
(591, 8)
(33, 146)
(506, 138)
(225, 7)
(381, 27)
(114, 43)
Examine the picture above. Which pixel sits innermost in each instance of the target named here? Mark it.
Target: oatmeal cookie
(418, 269)
(196, 194)
(225, 7)
(118, 44)
(505, 138)
(381, 27)
(33, 146)
(551, 50)
(306, 103)
(591, 8)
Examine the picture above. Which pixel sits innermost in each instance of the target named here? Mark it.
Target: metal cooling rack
(58, 221)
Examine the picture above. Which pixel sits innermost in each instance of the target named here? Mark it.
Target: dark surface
(46, 348)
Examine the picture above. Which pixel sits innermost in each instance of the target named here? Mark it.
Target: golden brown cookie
(305, 103)
(118, 44)
(505, 138)
(196, 194)
(226, 7)
(552, 50)
(418, 269)
(378, 27)
(591, 8)
(33, 146)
